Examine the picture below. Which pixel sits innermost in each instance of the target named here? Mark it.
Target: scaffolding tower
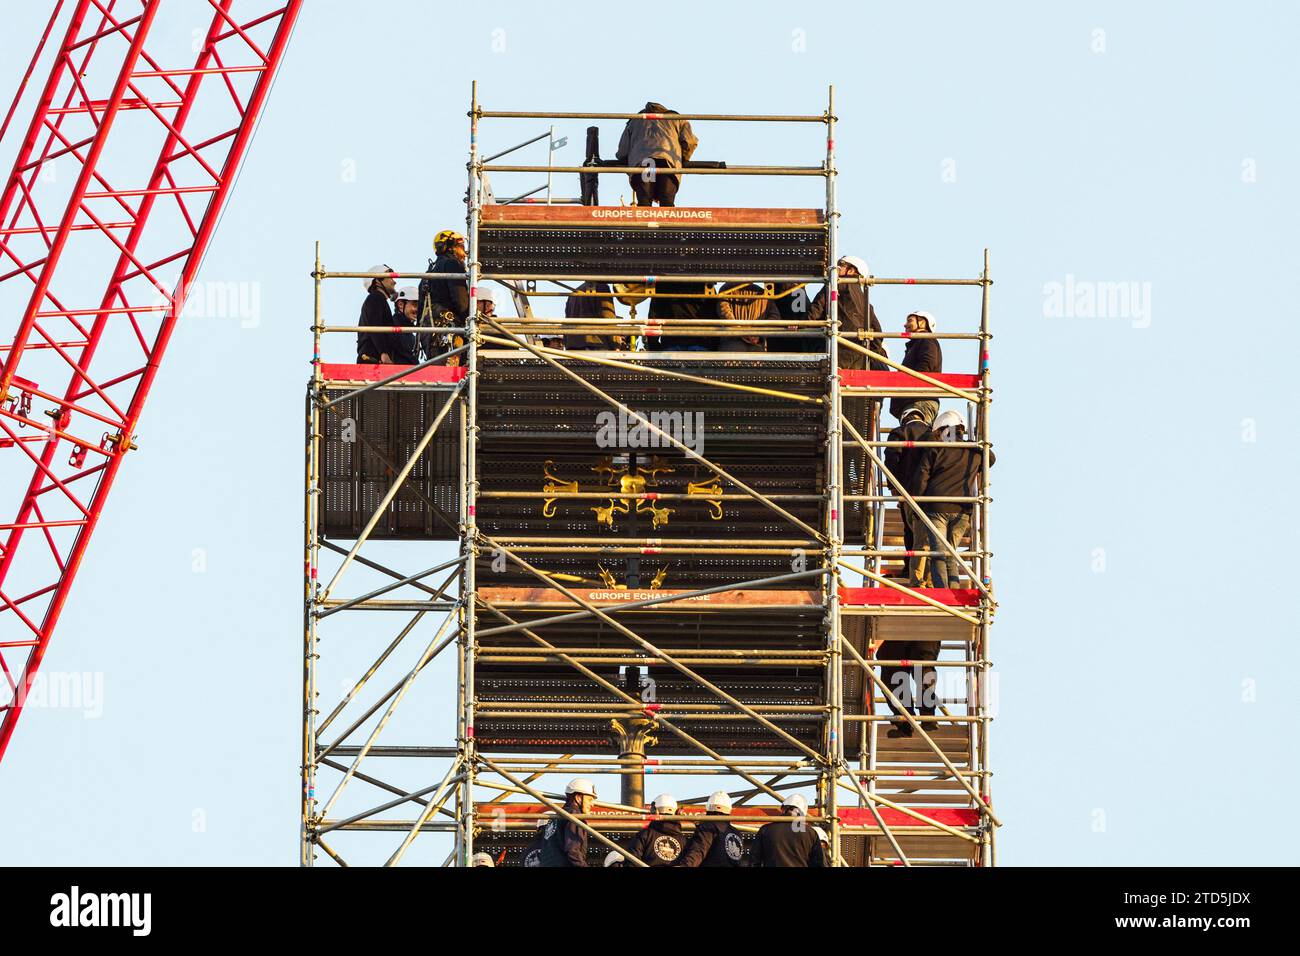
(687, 604)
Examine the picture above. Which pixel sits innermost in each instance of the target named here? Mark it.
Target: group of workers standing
(662, 842)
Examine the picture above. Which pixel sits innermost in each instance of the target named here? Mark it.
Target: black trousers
(919, 699)
(662, 189)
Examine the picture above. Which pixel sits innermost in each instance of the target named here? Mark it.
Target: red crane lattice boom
(96, 267)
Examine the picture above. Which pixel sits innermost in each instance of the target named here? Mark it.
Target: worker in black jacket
(593, 301)
(375, 311)
(533, 852)
(788, 842)
(444, 302)
(902, 464)
(920, 355)
(948, 473)
(856, 315)
(792, 304)
(715, 842)
(699, 309)
(397, 347)
(915, 685)
(566, 842)
(662, 841)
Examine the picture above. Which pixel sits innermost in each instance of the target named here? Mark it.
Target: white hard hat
(581, 785)
(665, 803)
(821, 835)
(948, 419)
(858, 263)
(929, 319)
(486, 295)
(796, 802)
(379, 268)
(719, 802)
(545, 818)
(408, 292)
(481, 859)
(614, 858)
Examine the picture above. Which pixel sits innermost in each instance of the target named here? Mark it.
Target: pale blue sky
(1141, 705)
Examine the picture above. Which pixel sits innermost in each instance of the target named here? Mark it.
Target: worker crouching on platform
(788, 842)
(564, 842)
(444, 303)
(715, 842)
(746, 303)
(375, 312)
(654, 144)
(662, 841)
(592, 300)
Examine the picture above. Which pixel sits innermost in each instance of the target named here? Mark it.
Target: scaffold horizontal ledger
(683, 563)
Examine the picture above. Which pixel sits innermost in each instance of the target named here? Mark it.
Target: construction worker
(653, 144)
(856, 314)
(565, 841)
(825, 842)
(597, 303)
(375, 311)
(662, 841)
(696, 308)
(401, 347)
(444, 302)
(533, 853)
(481, 859)
(788, 842)
(486, 303)
(745, 303)
(921, 355)
(915, 685)
(948, 473)
(715, 842)
(792, 303)
(902, 464)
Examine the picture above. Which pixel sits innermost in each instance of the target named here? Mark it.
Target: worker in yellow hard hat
(444, 302)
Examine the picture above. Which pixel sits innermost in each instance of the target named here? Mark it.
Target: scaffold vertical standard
(650, 556)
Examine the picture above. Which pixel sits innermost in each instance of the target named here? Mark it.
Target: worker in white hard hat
(824, 839)
(533, 852)
(948, 473)
(486, 303)
(921, 355)
(855, 311)
(481, 859)
(566, 842)
(375, 312)
(715, 842)
(788, 842)
(662, 841)
(398, 347)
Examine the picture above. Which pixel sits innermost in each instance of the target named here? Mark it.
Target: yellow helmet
(448, 237)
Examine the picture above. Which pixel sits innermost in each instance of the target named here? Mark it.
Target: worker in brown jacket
(745, 303)
(657, 142)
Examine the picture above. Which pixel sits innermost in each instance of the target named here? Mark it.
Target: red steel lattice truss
(115, 192)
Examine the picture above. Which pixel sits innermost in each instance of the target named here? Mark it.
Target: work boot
(900, 728)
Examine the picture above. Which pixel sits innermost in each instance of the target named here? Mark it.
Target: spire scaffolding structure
(663, 601)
